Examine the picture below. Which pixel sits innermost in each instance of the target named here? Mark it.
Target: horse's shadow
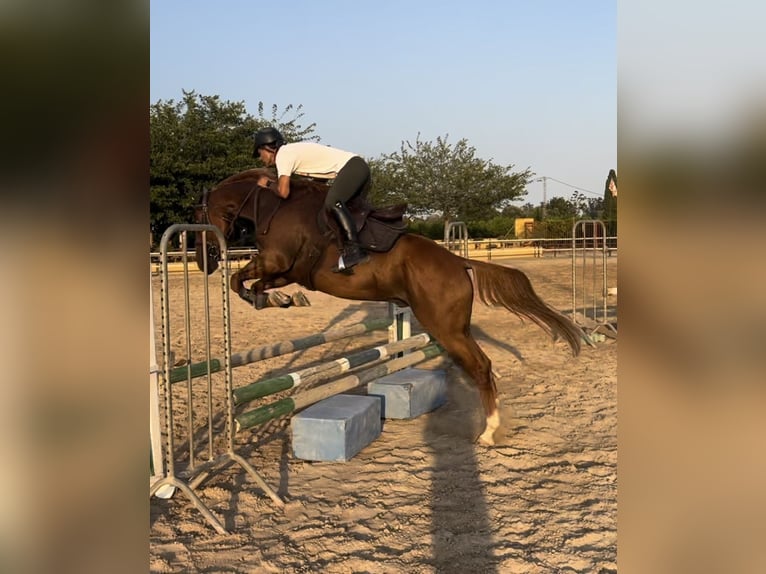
(459, 508)
(482, 336)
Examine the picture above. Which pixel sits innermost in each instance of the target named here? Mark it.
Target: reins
(230, 219)
(267, 222)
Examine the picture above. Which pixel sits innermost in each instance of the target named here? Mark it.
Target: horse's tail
(510, 288)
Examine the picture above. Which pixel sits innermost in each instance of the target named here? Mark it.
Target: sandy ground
(423, 497)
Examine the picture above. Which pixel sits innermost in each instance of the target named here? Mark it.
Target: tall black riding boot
(353, 253)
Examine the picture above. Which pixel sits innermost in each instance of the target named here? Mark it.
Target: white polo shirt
(311, 159)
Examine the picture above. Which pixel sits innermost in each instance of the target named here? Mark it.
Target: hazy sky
(533, 84)
(690, 70)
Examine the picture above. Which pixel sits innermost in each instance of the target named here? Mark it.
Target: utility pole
(544, 179)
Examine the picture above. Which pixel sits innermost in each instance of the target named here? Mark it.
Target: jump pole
(300, 401)
(194, 370)
(327, 370)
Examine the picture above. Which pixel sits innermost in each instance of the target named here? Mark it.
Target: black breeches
(352, 180)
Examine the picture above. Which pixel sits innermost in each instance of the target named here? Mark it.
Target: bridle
(213, 251)
(227, 218)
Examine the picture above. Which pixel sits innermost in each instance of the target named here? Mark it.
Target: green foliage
(200, 140)
(560, 208)
(554, 228)
(497, 226)
(588, 208)
(433, 227)
(438, 177)
(514, 211)
(197, 142)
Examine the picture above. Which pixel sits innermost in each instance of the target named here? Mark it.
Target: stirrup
(340, 267)
(346, 267)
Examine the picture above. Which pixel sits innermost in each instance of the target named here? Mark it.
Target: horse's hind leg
(448, 320)
(467, 353)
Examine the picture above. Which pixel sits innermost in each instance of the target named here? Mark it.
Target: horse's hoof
(257, 300)
(260, 301)
(487, 438)
(300, 300)
(246, 295)
(279, 299)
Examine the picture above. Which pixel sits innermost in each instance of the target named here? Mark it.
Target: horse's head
(234, 198)
(206, 244)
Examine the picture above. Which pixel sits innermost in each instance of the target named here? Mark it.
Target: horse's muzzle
(212, 255)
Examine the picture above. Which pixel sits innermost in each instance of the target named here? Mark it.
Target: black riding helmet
(267, 137)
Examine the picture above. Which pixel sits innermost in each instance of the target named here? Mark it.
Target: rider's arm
(283, 190)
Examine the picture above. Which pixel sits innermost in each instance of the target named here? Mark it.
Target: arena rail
(591, 249)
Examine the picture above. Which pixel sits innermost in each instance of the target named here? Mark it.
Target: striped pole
(289, 405)
(195, 370)
(327, 370)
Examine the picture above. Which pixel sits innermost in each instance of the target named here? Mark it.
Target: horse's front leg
(258, 271)
(250, 272)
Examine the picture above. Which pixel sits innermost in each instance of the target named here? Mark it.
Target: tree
(199, 141)
(526, 210)
(595, 208)
(560, 208)
(514, 211)
(587, 207)
(437, 177)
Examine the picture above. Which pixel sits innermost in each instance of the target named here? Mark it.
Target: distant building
(523, 227)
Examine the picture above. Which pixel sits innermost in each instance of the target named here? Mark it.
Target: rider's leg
(352, 253)
(351, 180)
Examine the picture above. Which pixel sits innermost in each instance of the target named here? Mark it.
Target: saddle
(378, 227)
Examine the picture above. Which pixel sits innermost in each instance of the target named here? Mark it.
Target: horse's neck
(300, 208)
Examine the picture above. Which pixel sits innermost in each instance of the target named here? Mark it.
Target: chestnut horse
(437, 285)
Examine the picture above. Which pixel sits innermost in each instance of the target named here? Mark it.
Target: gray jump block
(336, 428)
(410, 392)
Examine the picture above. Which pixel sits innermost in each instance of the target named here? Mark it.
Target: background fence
(484, 249)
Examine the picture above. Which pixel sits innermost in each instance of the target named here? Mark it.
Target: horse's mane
(297, 184)
(248, 175)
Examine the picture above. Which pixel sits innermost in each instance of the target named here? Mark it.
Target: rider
(349, 172)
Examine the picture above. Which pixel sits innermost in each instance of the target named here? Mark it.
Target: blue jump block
(336, 428)
(410, 393)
